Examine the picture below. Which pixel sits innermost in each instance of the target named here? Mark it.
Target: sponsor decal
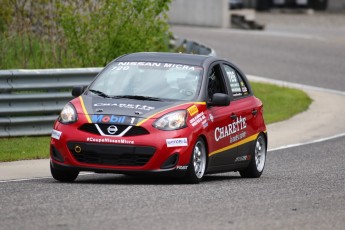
(238, 137)
(176, 142)
(235, 88)
(211, 117)
(242, 158)
(193, 110)
(232, 76)
(108, 119)
(109, 140)
(197, 119)
(56, 134)
(118, 68)
(126, 106)
(232, 128)
(205, 124)
(152, 64)
(243, 87)
(126, 65)
(182, 167)
(178, 66)
(113, 119)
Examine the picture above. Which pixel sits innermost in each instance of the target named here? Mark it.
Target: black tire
(63, 175)
(257, 164)
(197, 165)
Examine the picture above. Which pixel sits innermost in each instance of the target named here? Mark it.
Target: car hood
(125, 111)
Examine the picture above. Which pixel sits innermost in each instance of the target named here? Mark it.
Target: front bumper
(161, 172)
(82, 151)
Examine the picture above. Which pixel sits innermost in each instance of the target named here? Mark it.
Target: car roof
(188, 59)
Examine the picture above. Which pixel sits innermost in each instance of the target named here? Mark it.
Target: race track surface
(302, 187)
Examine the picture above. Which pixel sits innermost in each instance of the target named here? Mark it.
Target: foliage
(130, 26)
(78, 33)
(31, 37)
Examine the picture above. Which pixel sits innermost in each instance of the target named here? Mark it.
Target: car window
(150, 79)
(215, 82)
(238, 86)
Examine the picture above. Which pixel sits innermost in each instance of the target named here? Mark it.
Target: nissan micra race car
(166, 113)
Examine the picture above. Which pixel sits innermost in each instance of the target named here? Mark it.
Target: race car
(183, 115)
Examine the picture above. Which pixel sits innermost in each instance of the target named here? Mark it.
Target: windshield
(150, 80)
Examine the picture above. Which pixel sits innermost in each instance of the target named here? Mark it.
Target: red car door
(222, 125)
(234, 127)
(247, 109)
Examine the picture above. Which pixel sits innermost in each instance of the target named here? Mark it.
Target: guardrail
(31, 100)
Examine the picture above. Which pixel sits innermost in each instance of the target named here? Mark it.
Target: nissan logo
(112, 129)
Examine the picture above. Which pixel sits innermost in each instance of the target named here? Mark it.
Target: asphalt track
(302, 186)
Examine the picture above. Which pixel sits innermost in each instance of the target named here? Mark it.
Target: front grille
(133, 131)
(114, 155)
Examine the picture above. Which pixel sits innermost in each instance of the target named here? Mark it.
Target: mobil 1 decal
(235, 130)
(113, 119)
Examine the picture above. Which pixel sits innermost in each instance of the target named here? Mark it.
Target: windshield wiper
(138, 97)
(99, 93)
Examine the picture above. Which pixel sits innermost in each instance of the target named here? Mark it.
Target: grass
(24, 148)
(280, 103)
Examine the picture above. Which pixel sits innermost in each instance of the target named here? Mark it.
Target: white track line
(308, 143)
(39, 178)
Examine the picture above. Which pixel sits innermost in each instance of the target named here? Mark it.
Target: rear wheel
(197, 165)
(63, 175)
(257, 164)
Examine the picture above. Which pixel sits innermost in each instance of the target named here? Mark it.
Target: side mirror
(220, 99)
(77, 91)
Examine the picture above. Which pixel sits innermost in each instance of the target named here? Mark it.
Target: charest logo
(232, 128)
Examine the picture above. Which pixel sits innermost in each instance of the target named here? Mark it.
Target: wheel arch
(206, 146)
(266, 138)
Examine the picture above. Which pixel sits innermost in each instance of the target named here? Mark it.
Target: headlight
(172, 121)
(68, 114)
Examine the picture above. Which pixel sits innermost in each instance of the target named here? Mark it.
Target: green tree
(79, 33)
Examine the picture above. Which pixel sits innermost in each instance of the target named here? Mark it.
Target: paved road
(301, 188)
(296, 48)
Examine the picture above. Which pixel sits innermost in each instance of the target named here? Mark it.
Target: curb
(322, 121)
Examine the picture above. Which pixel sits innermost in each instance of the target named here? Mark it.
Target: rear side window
(237, 84)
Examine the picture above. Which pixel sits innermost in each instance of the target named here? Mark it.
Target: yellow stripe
(244, 141)
(84, 109)
(198, 103)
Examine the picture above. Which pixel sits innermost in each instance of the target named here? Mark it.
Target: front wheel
(63, 175)
(197, 165)
(257, 164)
